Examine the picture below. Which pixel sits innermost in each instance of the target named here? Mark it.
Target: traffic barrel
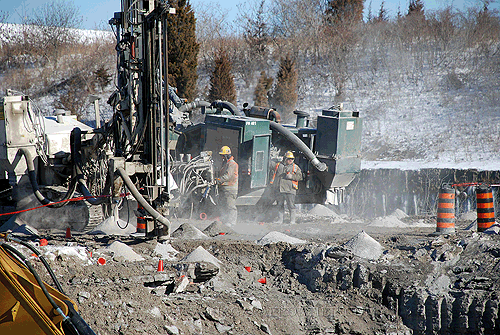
(141, 220)
(485, 208)
(446, 211)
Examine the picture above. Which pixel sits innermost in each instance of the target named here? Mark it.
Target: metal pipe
(167, 105)
(193, 105)
(36, 189)
(162, 113)
(301, 146)
(140, 199)
(229, 106)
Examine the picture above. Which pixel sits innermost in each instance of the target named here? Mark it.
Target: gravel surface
(228, 284)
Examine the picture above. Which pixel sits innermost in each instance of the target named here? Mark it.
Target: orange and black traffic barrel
(485, 208)
(141, 220)
(446, 211)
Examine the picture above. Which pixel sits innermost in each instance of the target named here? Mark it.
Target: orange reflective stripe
(446, 205)
(447, 195)
(274, 175)
(486, 215)
(294, 182)
(484, 195)
(233, 182)
(485, 205)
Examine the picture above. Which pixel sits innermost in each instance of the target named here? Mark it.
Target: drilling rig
(150, 149)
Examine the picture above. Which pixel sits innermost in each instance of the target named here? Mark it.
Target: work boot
(293, 214)
(280, 218)
(232, 218)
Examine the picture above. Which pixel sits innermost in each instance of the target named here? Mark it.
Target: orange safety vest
(294, 182)
(233, 180)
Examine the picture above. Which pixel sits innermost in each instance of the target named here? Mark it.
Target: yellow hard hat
(289, 154)
(225, 150)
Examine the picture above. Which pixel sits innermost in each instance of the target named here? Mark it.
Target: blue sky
(96, 13)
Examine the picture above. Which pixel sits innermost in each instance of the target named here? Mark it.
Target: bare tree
(256, 32)
(50, 27)
(211, 26)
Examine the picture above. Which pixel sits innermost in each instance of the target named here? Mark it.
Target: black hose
(193, 105)
(229, 106)
(36, 189)
(42, 258)
(76, 155)
(140, 199)
(301, 146)
(77, 320)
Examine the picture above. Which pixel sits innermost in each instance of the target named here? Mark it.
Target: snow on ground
(10, 30)
(492, 164)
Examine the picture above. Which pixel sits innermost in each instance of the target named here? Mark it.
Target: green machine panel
(338, 144)
(338, 136)
(249, 140)
(260, 161)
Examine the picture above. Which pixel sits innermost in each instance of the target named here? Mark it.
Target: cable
(41, 257)
(52, 203)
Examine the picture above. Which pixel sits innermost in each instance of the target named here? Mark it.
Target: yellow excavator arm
(30, 306)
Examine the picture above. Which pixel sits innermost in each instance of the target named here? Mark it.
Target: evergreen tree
(284, 96)
(382, 13)
(344, 11)
(222, 80)
(182, 49)
(416, 7)
(369, 16)
(262, 89)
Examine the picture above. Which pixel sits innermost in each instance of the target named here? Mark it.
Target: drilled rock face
(407, 190)
(444, 285)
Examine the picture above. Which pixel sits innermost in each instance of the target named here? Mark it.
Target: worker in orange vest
(285, 181)
(228, 187)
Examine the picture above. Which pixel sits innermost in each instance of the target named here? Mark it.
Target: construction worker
(285, 181)
(228, 186)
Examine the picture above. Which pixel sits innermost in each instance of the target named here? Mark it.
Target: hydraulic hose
(299, 145)
(140, 199)
(76, 155)
(36, 189)
(41, 258)
(229, 106)
(193, 105)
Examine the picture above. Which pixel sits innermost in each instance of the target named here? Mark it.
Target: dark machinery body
(258, 144)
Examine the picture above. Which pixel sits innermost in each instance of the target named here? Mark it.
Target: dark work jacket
(283, 185)
(228, 175)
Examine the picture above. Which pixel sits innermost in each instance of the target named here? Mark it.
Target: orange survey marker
(160, 265)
